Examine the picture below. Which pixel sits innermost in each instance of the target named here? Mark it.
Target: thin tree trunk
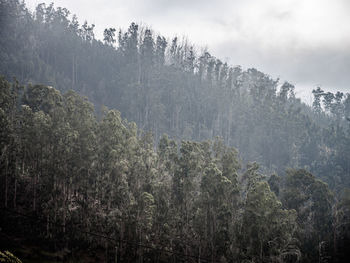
(141, 250)
(6, 183)
(34, 184)
(121, 237)
(76, 72)
(15, 194)
(34, 194)
(335, 228)
(48, 226)
(199, 254)
(64, 203)
(73, 73)
(212, 233)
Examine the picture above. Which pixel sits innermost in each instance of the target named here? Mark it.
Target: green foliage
(313, 201)
(173, 89)
(87, 172)
(8, 257)
(267, 228)
(84, 174)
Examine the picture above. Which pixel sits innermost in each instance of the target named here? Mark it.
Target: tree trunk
(48, 226)
(73, 73)
(335, 228)
(15, 193)
(35, 179)
(34, 193)
(6, 183)
(141, 250)
(76, 72)
(199, 254)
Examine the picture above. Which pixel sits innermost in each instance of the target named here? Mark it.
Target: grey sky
(306, 42)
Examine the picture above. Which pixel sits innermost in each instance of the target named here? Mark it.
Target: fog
(304, 42)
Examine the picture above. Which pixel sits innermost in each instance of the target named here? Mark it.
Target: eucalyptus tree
(9, 96)
(109, 36)
(312, 200)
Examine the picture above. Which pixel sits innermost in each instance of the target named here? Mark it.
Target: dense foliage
(167, 86)
(99, 183)
(95, 181)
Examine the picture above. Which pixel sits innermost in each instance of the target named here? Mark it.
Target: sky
(305, 42)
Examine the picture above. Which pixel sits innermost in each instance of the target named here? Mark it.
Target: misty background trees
(187, 195)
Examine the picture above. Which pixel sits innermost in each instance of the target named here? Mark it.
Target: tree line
(193, 201)
(169, 86)
(186, 196)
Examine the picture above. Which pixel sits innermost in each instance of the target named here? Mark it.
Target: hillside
(196, 160)
(77, 186)
(169, 88)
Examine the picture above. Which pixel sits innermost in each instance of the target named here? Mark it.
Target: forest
(138, 148)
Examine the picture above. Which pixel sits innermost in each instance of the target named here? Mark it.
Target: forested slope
(78, 180)
(168, 87)
(76, 183)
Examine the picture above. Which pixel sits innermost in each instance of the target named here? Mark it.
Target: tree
(284, 90)
(268, 231)
(341, 226)
(312, 200)
(318, 93)
(88, 32)
(328, 100)
(161, 45)
(108, 36)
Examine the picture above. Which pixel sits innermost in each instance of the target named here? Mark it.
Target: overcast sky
(306, 42)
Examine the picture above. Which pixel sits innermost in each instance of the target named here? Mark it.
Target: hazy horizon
(293, 40)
